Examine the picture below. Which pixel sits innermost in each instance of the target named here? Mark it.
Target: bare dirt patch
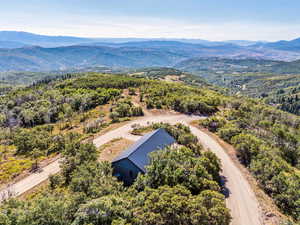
(113, 148)
(172, 78)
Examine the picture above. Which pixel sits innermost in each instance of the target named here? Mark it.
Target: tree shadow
(225, 191)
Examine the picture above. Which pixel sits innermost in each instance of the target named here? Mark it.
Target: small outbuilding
(132, 161)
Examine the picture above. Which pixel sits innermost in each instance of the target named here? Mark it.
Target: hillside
(76, 57)
(168, 74)
(54, 110)
(23, 78)
(227, 65)
(276, 82)
(293, 45)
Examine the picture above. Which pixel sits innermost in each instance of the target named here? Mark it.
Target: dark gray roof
(138, 153)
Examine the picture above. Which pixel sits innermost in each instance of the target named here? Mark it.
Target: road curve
(241, 200)
(123, 131)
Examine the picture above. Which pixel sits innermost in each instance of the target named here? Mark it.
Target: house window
(131, 173)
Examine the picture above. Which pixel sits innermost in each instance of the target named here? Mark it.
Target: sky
(215, 20)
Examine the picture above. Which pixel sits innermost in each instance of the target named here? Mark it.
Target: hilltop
(89, 103)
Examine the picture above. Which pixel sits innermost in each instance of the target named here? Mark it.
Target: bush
(124, 108)
(180, 165)
(104, 211)
(176, 205)
(131, 91)
(247, 146)
(228, 132)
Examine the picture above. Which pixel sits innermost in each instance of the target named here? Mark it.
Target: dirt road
(123, 131)
(241, 200)
(31, 181)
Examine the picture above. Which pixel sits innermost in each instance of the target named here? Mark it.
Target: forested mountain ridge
(248, 65)
(131, 54)
(76, 57)
(293, 45)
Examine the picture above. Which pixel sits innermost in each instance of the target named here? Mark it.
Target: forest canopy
(85, 192)
(266, 141)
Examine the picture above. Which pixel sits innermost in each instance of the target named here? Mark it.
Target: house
(132, 161)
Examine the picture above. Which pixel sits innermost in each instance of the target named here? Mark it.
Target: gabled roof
(138, 153)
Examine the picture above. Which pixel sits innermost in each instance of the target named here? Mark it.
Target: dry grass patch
(113, 148)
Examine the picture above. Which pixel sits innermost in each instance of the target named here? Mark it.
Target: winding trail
(241, 199)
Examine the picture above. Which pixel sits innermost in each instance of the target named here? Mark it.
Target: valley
(276, 83)
(47, 53)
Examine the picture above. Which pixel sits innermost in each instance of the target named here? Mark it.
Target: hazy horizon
(209, 20)
(146, 38)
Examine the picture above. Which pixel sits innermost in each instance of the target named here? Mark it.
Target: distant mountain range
(293, 45)
(21, 51)
(130, 55)
(17, 39)
(24, 39)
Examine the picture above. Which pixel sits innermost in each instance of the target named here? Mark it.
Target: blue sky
(204, 19)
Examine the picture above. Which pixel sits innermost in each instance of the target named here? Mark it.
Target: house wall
(125, 171)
